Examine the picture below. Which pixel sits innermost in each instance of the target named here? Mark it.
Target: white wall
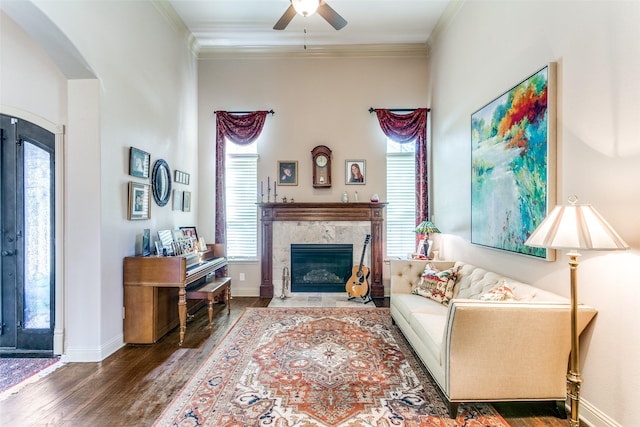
(317, 100)
(486, 49)
(144, 96)
(33, 72)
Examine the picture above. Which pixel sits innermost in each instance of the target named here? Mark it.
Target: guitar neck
(364, 248)
(362, 258)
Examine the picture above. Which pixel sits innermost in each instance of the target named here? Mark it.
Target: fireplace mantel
(371, 212)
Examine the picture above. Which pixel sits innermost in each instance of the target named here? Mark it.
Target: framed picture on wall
(182, 177)
(355, 172)
(139, 201)
(176, 205)
(287, 172)
(513, 164)
(139, 163)
(186, 201)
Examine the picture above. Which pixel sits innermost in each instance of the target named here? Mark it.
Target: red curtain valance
(403, 128)
(239, 128)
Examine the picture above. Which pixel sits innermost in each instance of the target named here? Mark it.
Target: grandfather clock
(321, 156)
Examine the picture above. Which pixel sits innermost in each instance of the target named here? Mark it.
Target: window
(241, 196)
(401, 196)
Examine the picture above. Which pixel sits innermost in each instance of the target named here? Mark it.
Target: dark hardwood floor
(132, 386)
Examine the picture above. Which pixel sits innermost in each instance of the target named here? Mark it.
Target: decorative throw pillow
(500, 292)
(437, 285)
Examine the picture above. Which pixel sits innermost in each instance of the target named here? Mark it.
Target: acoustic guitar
(357, 285)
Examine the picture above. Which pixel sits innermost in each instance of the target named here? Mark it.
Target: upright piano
(155, 290)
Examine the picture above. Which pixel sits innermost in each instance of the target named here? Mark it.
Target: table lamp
(426, 227)
(574, 227)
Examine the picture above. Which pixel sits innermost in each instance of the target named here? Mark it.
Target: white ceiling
(227, 24)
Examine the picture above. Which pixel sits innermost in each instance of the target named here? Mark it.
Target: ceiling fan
(307, 8)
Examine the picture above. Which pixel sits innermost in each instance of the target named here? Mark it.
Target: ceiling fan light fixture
(305, 7)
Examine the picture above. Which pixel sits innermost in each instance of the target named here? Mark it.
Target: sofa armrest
(406, 273)
(508, 350)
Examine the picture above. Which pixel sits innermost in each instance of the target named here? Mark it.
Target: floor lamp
(575, 227)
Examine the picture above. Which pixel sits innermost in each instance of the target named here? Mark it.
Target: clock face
(321, 161)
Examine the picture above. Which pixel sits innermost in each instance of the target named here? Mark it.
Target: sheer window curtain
(240, 129)
(404, 128)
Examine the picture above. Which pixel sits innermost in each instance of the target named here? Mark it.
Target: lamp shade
(305, 7)
(426, 227)
(576, 226)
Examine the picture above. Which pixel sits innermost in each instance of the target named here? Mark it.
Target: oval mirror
(161, 182)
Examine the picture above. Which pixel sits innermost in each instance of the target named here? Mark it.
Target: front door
(27, 238)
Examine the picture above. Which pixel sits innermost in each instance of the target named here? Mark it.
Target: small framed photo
(189, 232)
(146, 242)
(287, 172)
(355, 172)
(139, 163)
(176, 204)
(186, 201)
(139, 201)
(182, 177)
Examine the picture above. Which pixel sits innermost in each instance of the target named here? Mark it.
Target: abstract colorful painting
(513, 165)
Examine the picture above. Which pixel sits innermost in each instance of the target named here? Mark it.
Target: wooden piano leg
(210, 311)
(182, 312)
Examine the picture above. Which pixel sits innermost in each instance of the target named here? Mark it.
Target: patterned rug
(312, 367)
(15, 371)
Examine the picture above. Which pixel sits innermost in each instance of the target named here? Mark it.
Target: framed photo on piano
(189, 232)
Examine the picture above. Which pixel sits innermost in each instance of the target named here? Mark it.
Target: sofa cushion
(409, 304)
(430, 327)
(501, 292)
(437, 285)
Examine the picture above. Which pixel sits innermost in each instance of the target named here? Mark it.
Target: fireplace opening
(320, 267)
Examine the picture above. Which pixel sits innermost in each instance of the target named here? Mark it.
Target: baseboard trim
(595, 417)
(93, 354)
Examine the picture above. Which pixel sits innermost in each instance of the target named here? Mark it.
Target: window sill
(243, 260)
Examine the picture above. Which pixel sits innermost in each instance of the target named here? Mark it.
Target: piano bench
(210, 290)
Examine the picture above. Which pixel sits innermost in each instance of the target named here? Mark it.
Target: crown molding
(416, 50)
(450, 12)
(419, 50)
(169, 13)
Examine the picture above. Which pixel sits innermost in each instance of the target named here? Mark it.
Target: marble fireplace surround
(317, 232)
(330, 223)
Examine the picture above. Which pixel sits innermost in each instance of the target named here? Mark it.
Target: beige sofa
(487, 351)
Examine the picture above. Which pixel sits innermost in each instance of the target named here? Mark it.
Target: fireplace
(339, 223)
(320, 267)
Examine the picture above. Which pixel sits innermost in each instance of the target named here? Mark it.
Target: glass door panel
(37, 237)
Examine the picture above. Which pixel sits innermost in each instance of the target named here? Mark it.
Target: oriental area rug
(312, 367)
(17, 372)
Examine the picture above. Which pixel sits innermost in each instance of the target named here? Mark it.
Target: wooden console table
(371, 212)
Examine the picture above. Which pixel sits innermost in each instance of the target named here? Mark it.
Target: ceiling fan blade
(332, 17)
(286, 17)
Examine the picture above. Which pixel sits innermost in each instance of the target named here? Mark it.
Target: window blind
(242, 212)
(401, 208)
